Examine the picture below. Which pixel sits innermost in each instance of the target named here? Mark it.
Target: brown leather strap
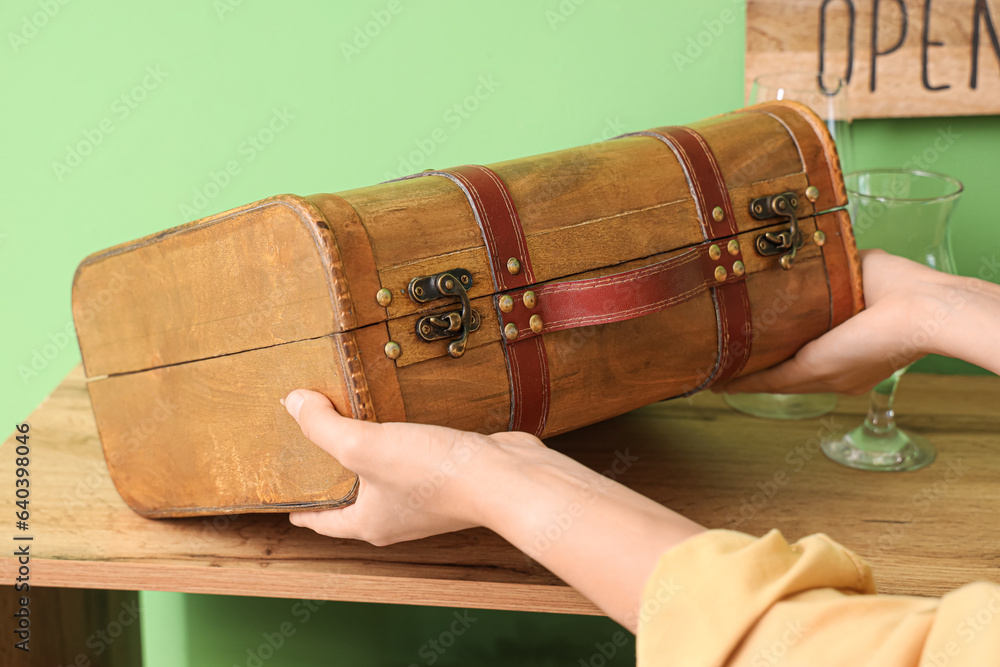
(715, 211)
(528, 371)
(510, 267)
(703, 176)
(498, 221)
(620, 296)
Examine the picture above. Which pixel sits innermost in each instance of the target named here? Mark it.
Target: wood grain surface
(925, 532)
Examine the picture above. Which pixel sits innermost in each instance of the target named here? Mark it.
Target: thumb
(341, 437)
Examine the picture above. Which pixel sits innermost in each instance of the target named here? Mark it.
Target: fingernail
(293, 403)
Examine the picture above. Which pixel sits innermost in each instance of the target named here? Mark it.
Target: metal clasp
(454, 324)
(785, 243)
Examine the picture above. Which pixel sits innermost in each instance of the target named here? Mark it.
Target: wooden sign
(900, 57)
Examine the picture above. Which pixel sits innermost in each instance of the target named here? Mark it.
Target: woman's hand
(415, 480)
(912, 310)
(597, 535)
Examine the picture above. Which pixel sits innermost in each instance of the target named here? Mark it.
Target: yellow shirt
(725, 598)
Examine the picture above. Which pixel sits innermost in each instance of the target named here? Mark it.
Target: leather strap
(498, 221)
(620, 296)
(715, 211)
(527, 362)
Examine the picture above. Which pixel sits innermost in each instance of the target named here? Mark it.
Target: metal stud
(739, 269)
(513, 266)
(733, 247)
(714, 252)
(510, 331)
(819, 238)
(535, 323)
(812, 193)
(384, 297)
(506, 303)
(393, 350)
(720, 273)
(530, 300)
(718, 214)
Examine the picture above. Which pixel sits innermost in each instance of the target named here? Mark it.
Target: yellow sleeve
(725, 598)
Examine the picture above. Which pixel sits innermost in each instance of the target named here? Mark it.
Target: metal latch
(787, 242)
(455, 324)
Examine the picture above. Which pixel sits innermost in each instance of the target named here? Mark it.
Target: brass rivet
(513, 266)
(819, 238)
(529, 299)
(535, 323)
(448, 284)
(714, 252)
(506, 303)
(739, 269)
(733, 247)
(384, 297)
(718, 214)
(720, 273)
(510, 331)
(392, 350)
(812, 193)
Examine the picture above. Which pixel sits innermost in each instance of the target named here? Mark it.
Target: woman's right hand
(912, 310)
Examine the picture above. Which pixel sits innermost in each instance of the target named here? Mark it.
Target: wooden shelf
(925, 532)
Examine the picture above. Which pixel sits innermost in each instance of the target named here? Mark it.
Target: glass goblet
(905, 213)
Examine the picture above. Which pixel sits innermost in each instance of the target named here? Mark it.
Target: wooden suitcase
(539, 294)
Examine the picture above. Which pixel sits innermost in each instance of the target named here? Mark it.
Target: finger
(783, 378)
(339, 436)
(332, 523)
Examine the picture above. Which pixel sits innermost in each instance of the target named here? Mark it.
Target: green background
(560, 73)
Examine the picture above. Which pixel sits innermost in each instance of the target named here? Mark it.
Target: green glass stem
(881, 416)
(879, 433)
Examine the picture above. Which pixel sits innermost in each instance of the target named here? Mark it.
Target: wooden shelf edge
(306, 585)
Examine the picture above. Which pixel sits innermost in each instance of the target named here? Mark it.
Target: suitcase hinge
(785, 243)
(456, 324)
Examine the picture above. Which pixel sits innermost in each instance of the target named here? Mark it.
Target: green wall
(163, 98)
